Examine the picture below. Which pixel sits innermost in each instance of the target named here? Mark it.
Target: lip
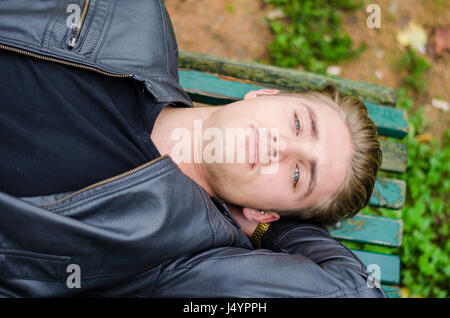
(253, 146)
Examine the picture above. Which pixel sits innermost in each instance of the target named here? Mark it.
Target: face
(311, 150)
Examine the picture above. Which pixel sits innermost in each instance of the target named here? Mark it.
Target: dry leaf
(440, 104)
(441, 40)
(426, 137)
(334, 70)
(413, 35)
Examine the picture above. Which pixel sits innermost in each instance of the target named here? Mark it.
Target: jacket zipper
(55, 60)
(76, 31)
(120, 176)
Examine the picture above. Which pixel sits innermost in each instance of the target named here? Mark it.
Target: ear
(252, 94)
(257, 216)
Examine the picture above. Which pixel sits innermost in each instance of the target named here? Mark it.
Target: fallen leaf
(275, 14)
(404, 292)
(393, 7)
(440, 40)
(414, 36)
(426, 137)
(379, 74)
(334, 70)
(440, 104)
(379, 54)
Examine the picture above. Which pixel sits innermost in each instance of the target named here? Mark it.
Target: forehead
(333, 147)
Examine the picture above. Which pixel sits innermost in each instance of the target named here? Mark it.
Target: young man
(86, 114)
(325, 149)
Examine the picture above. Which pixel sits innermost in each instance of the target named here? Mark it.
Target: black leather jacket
(150, 232)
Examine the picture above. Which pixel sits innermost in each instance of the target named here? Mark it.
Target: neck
(180, 121)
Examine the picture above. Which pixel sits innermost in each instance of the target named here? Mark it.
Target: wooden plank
(284, 78)
(390, 121)
(395, 156)
(389, 265)
(388, 193)
(370, 229)
(215, 90)
(391, 291)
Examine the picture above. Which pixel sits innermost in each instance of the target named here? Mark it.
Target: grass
(425, 250)
(310, 34)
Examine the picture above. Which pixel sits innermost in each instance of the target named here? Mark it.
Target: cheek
(272, 185)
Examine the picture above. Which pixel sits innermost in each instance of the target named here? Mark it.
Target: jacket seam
(350, 291)
(209, 214)
(282, 236)
(157, 279)
(47, 32)
(124, 185)
(163, 19)
(276, 243)
(97, 49)
(60, 280)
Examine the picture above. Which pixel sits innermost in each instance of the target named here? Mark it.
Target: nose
(291, 147)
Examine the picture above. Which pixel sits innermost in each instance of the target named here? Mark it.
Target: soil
(238, 29)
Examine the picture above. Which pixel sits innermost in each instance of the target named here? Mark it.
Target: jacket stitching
(157, 279)
(73, 203)
(207, 211)
(97, 49)
(343, 292)
(47, 33)
(163, 19)
(121, 187)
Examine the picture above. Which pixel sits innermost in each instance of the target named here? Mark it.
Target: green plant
(310, 34)
(415, 66)
(426, 246)
(425, 250)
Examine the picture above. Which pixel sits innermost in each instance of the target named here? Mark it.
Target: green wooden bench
(216, 81)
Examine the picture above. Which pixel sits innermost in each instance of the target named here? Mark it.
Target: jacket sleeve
(110, 232)
(298, 260)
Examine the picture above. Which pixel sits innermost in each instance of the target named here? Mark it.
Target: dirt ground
(238, 29)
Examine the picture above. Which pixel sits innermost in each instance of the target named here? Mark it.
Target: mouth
(253, 147)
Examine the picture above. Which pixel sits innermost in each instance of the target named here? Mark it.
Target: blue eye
(296, 175)
(297, 125)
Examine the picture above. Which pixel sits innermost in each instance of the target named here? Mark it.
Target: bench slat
(392, 291)
(370, 229)
(392, 122)
(216, 90)
(395, 156)
(234, 82)
(389, 265)
(388, 193)
(284, 78)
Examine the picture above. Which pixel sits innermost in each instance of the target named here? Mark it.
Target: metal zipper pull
(77, 30)
(72, 42)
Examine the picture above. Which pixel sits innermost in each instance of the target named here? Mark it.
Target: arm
(111, 230)
(303, 261)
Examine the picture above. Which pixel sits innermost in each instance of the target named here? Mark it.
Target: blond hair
(365, 160)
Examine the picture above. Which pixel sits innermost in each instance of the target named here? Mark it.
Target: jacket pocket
(31, 265)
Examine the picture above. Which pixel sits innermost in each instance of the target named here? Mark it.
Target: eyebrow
(312, 180)
(313, 163)
(312, 121)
